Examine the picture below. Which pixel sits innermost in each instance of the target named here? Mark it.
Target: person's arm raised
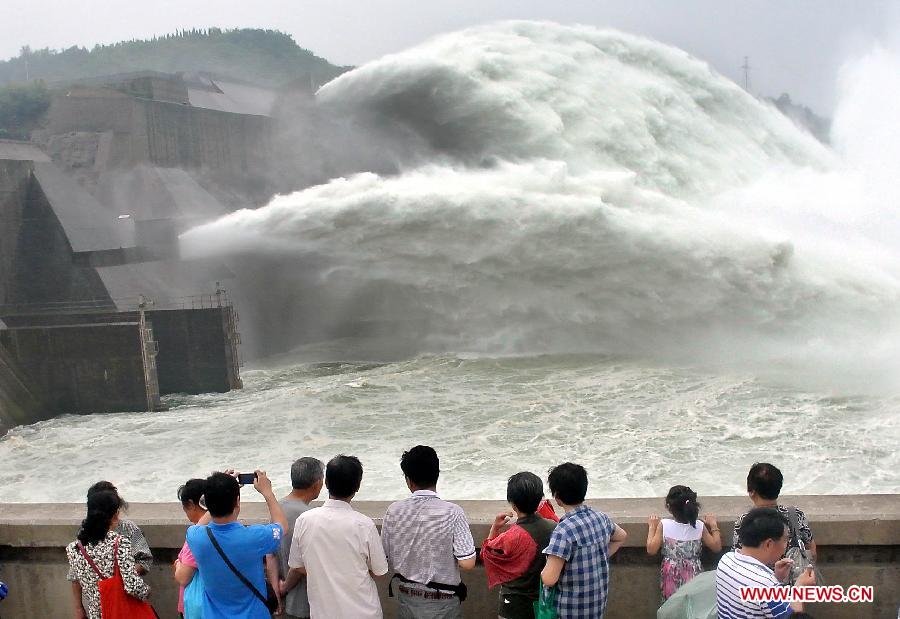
(500, 520)
(654, 534)
(616, 540)
(264, 486)
(711, 537)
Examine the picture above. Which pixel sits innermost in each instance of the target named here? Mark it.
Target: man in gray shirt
(307, 476)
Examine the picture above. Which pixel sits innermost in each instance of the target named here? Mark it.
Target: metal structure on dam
(98, 313)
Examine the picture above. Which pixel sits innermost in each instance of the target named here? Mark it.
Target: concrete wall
(19, 403)
(36, 259)
(81, 368)
(92, 362)
(195, 355)
(858, 539)
(15, 178)
(163, 133)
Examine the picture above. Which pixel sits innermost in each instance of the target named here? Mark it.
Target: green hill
(264, 57)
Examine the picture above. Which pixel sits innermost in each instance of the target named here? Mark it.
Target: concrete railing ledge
(858, 537)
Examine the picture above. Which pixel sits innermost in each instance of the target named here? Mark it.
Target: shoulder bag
(801, 557)
(270, 600)
(115, 602)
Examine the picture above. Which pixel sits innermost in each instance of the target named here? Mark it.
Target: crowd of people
(321, 562)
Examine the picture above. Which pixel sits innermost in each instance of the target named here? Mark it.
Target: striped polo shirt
(424, 537)
(738, 570)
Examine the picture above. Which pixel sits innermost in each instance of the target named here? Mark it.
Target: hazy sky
(794, 45)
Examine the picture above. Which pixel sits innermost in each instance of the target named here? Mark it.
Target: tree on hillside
(264, 57)
(21, 108)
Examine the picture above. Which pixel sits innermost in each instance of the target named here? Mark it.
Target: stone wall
(36, 259)
(159, 132)
(858, 539)
(19, 403)
(15, 178)
(82, 368)
(195, 353)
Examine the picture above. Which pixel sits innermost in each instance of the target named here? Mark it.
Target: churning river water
(650, 271)
(637, 428)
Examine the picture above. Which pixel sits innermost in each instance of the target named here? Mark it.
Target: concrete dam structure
(99, 312)
(858, 538)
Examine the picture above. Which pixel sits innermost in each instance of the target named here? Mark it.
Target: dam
(99, 312)
(527, 243)
(617, 266)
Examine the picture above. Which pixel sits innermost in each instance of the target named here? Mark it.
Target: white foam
(637, 428)
(570, 189)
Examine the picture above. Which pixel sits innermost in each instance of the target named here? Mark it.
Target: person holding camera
(229, 555)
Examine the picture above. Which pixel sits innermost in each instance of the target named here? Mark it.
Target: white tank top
(682, 532)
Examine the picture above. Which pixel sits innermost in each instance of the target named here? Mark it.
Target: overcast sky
(794, 46)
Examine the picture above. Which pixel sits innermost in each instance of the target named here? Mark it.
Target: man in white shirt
(764, 538)
(427, 541)
(338, 549)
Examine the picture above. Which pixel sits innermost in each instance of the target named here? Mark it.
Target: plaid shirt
(582, 539)
(424, 537)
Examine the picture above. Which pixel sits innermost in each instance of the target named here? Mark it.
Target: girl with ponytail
(98, 548)
(190, 588)
(681, 538)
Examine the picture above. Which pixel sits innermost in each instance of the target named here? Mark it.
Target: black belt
(461, 590)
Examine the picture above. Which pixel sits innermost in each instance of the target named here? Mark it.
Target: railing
(142, 304)
(149, 350)
(220, 298)
(59, 307)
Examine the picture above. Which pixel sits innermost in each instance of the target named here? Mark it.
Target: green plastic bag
(545, 607)
(696, 599)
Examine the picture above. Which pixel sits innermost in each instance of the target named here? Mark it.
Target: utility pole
(746, 68)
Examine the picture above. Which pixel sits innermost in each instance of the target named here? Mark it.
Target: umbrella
(695, 599)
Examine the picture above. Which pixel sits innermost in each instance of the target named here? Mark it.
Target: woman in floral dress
(98, 539)
(681, 539)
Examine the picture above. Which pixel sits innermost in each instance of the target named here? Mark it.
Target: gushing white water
(565, 189)
(557, 190)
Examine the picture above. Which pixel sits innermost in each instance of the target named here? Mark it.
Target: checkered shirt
(582, 539)
(424, 537)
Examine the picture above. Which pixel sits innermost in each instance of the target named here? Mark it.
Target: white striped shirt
(738, 570)
(424, 537)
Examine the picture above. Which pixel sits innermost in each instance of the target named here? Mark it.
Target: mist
(528, 187)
